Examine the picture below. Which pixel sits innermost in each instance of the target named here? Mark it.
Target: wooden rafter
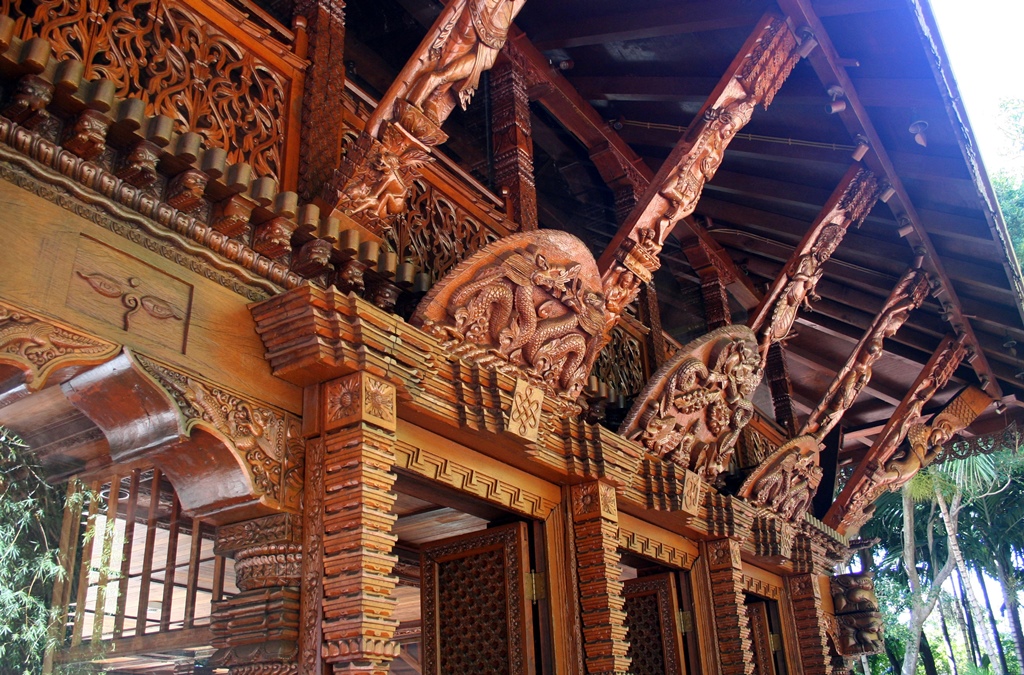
(827, 65)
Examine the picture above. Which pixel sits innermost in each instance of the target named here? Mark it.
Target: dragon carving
(696, 405)
(523, 303)
(787, 480)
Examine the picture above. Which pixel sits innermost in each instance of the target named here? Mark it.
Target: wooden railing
(136, 566)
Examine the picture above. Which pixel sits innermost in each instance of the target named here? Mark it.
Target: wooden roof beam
(755, 75)
(826, 63)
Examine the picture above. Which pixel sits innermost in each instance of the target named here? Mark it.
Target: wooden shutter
(652, 615)
(476, 614)
(760, 635)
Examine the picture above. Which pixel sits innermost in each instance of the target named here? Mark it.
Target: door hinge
(685, 622)
(775, 642)
(535, 584)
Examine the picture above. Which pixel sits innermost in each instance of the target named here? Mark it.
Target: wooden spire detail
(757, 72)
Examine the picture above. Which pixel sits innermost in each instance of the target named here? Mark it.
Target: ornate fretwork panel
(652, 618)
(621, 363)
(436, 233)
(475, 615)
(180, 63)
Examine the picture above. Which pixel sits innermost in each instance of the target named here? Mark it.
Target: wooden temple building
(488, 336)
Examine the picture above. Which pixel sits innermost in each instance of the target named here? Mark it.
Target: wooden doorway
(766, 636)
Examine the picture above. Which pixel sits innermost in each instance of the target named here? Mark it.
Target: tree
(31, 512)
(1009, 184)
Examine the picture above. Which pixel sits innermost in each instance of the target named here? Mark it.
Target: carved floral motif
(257, 432)
(528, 303)
(39, 347)
(178, 62)
(696, 405)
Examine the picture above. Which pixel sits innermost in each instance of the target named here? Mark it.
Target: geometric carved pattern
(39, 346)
(652, 618)
(475, 612)
(809, 615)
(695, 406)
(178, 63)
(727, 587)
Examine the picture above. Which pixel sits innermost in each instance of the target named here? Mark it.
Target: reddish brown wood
(126, 553)
(85, 568)
(170, 565)
(107, 542)
(777, 374)
(193, 573)
(513, 143)
(146, 577)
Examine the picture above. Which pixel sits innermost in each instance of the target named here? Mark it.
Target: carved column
(257, 629)
(808, 617)
(716, 299)
(513, 143)
(725, 568)
(596, 526)
(358, 427)
(322, 121)
(777, 374)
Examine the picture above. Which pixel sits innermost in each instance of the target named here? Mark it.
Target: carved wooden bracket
(694, 407)
(228, 457)
(39, 350)
(787, 480)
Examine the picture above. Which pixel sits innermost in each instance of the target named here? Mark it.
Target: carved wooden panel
(182, 63)
(622, 362)
(476, 617)
(652, 616)
(760, 636)
(123, 291)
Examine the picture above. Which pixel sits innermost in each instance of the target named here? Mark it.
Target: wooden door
(652, 616)
(477, 617)
(761, 636)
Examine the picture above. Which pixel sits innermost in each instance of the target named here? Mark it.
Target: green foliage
(31, 512)
(1009, 183)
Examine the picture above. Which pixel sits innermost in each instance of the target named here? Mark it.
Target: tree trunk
(1009, 587)
(965, 620)
(927, 658)
(992, 621)
(897, 666)
(972, 600)
(945, 634)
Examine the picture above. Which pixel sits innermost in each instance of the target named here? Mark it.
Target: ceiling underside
(647, 68)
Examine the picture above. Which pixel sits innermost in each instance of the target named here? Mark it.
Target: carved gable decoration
(786, 481)
(530, 303)
(696, 405)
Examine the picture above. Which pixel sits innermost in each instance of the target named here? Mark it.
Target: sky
(982, 39)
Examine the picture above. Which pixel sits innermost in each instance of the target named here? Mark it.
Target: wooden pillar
(716, 298)
(804, 588)
(513, 143)
(358, 437)
(596, 527)
(777, 374)
(256, 630)
(322, 121)
(650, 316)
(723, 568)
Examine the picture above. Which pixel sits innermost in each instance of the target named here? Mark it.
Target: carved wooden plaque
(476, 617)
(123, 291)
(652, 616)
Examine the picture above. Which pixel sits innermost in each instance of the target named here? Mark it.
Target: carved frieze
(39, 346)
(529, 303)
(696, 405)
(787, 480)
(280, 528)
(178, 62)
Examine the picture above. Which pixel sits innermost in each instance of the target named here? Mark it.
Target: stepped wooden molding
(650, 541)
(726, 581)
(759, 586)
(694, 408)
(772, 538)
(42, 349)
(596, 527)
(811, 626)
(280, 528)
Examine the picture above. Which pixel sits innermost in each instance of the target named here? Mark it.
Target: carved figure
(860, 633)
(31, 97)
(523, 301)
(313, 258)
(186, 190)
(467, 45)
(379, 186)
(696, 405)
(140, 165)
(274, 238)
(787, 480)
(88, 135)
(854, 593)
